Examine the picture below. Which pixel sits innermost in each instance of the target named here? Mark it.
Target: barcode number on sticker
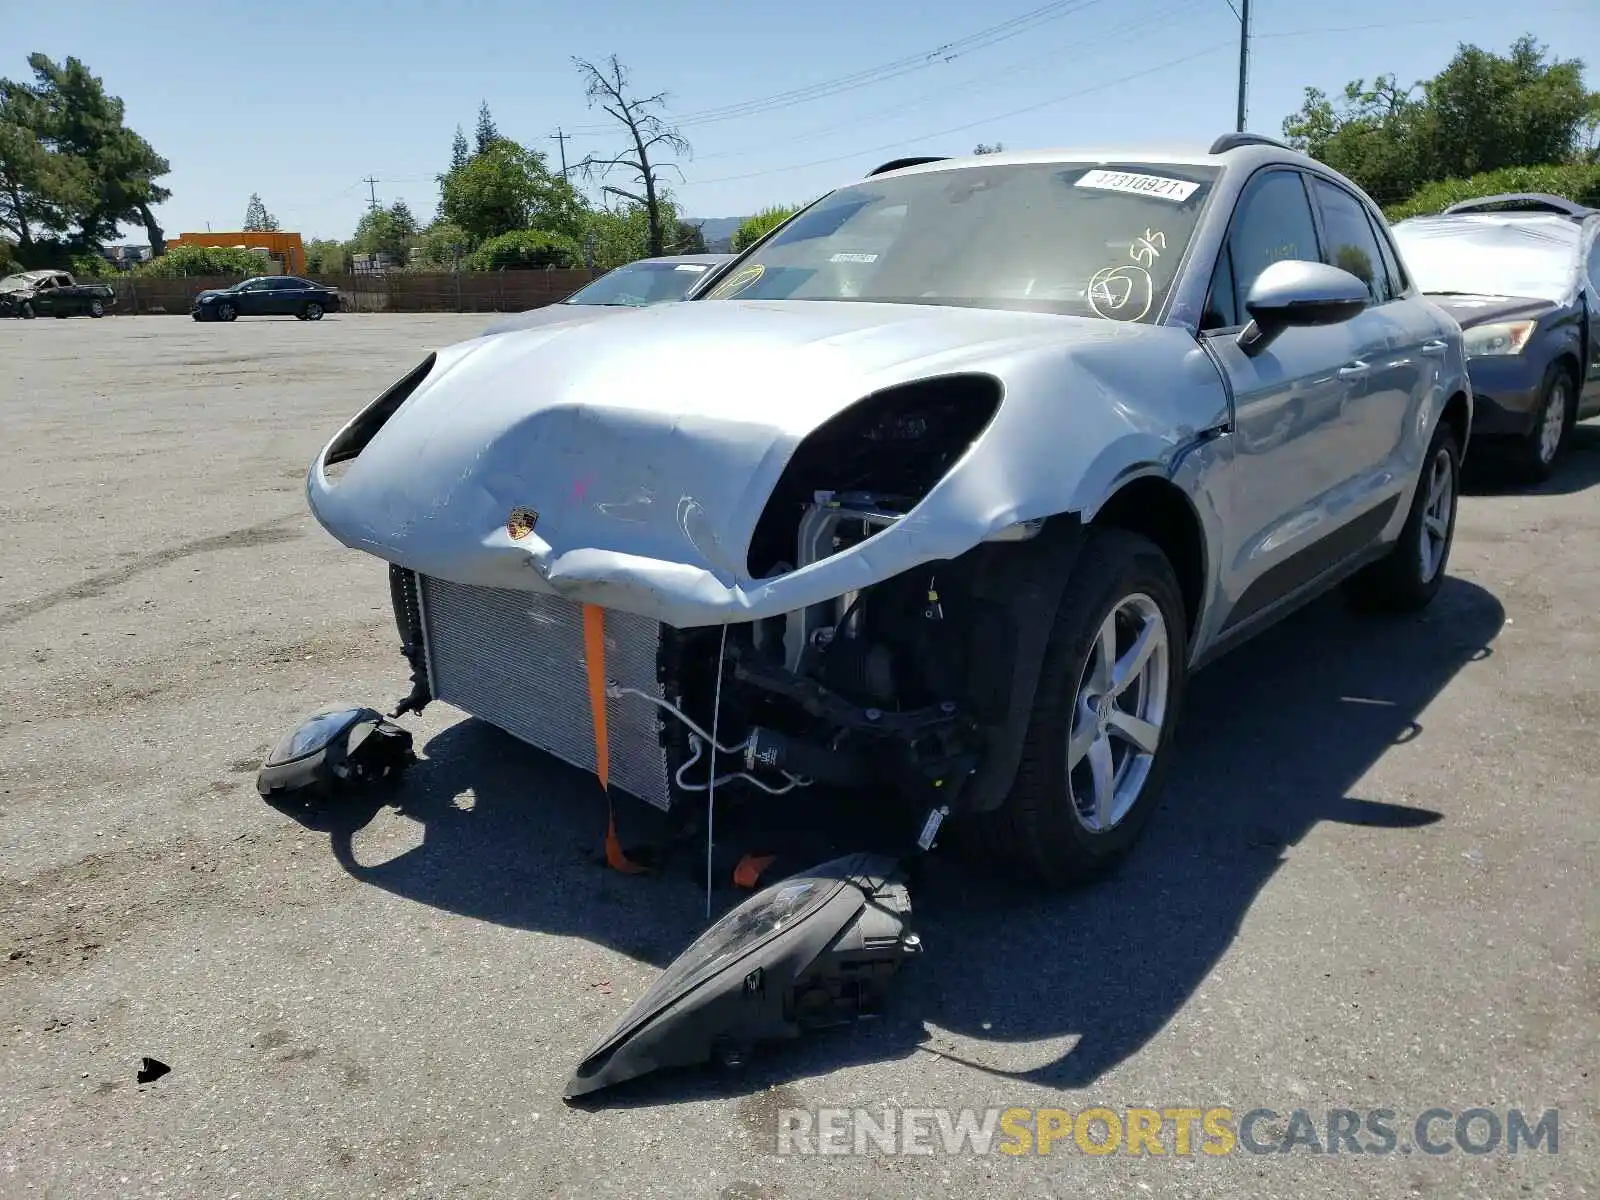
(1176, 190)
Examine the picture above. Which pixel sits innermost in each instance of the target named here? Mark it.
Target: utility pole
(562, 138)
(1244, 59)
(372, 188)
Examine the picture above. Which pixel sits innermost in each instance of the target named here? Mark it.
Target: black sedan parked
(1522, 275)
(267, 296)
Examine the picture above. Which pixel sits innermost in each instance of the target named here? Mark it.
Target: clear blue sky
(300, 102)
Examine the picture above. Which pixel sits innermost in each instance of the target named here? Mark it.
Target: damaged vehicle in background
(1521, 273)
(640, 284)
(935, 497)
(53, 294)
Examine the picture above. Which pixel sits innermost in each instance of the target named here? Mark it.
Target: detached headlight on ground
(349, 746)
(1507, 337)
(816, 949)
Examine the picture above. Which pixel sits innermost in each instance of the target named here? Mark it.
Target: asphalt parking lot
(1373, 885)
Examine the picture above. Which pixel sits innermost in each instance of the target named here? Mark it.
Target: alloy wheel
(1554, 423)
(1434, 541)
(1118, 713)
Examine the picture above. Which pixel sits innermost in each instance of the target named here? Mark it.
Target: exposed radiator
(515, 660)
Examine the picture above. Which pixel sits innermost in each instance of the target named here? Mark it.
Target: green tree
(526, 249)
(442, 245)
(1374, 136)
(752, 229)
(487, 134)
(40, 187)
(508, 188)
(1483, 112)
(324, 256)
(256, 217)
(460, 151)
(201, 260)
(647, 138)
(115, 172)
(390, 231)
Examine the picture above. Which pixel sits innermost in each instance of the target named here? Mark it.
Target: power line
(997, 76)
(947, 52)
(1016, 112)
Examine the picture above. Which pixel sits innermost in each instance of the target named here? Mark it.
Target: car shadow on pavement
(1273, 739)
(1577, 470)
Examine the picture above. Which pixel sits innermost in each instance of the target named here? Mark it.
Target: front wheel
(226, 312)
(97, 308)
(312, 311)
(1411, 574)
(1535, 452)
(1099, 742)
(27, 311)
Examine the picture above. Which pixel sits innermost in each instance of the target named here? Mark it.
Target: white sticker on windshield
(853, 256)
(1162, 188)
(697, 268)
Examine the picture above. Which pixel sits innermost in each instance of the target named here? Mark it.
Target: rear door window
(1349, 242)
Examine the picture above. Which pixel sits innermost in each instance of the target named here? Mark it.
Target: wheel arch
(1156, 508)
(1457, 413)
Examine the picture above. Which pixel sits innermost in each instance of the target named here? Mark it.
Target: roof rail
(1534, 202)
(894, 164)
(1232, 141)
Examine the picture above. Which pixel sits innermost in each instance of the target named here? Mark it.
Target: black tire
(227, 312)
(25, 311)
(97, 309)
(312, 311)
(1037, 833)
(1532, 456)
(1398, 582)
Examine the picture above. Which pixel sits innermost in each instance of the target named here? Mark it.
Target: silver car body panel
(649, 444)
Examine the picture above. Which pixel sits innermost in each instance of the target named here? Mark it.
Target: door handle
(1435, 348)
(1354, 370)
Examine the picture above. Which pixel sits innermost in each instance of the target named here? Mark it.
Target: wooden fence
(397, 291)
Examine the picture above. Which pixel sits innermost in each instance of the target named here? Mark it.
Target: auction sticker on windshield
(1176, 190)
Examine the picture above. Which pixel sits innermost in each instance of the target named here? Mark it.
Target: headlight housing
(1503, 337)
(333, 747)
(816, 949)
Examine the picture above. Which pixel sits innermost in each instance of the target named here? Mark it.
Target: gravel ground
(1373, 884)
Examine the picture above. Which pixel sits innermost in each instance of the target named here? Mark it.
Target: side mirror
(1291, 293)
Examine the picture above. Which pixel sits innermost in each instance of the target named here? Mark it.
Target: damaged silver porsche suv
(939, 492)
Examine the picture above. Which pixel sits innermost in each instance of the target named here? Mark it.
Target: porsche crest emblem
(521, 522)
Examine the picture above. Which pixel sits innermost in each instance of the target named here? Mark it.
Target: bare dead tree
(607, 85)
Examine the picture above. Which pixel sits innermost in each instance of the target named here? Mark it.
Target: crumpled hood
(649, 442)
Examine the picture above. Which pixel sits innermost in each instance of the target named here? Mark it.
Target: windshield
(1491, 256)
(642, 283)
(1098, 240)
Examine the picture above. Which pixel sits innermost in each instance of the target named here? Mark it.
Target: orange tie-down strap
(594, 659)
(748, 872)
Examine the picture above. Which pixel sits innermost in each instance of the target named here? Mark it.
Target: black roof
(894, 164)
